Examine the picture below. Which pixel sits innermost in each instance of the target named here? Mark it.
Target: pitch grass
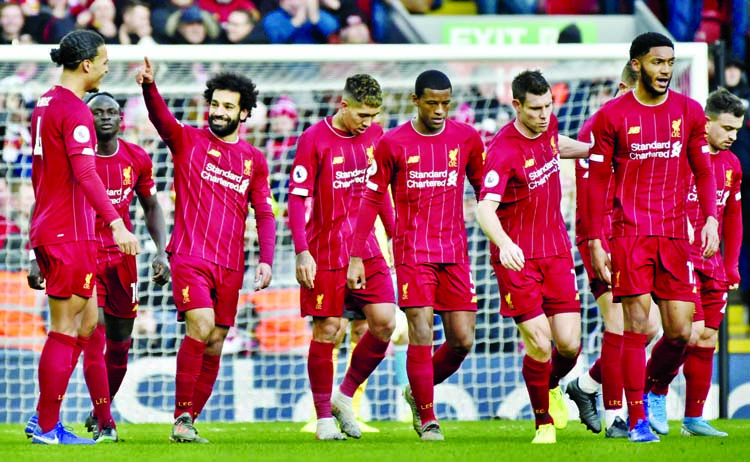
(483, 441)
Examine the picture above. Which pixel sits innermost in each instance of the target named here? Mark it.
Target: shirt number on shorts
(691, 272)
(134, 291)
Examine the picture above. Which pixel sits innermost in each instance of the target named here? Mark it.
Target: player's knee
(327, 330)
(570, 348)
(383, 330)
(678, 334)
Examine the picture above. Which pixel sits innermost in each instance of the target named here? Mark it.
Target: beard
(648, 85)
(223, 130)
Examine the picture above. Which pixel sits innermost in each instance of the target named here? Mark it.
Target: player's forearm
(155, 223)
(572, 149)
(371, 203)
(705, 182)
(732, 235)
(598, 185)
(297, 222)
(158, 111)
(84, 171)
(388, 216)
(490, 223)
(265, 223)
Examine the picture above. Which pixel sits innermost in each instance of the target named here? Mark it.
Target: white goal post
(264, 374)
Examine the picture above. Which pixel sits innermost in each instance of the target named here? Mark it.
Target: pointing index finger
(148, 63)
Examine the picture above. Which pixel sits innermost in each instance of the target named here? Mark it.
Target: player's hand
(160, 265)
(306, 269)
(145, 74)
(355, 275)
(511, 256)
(733, 276)
(691, 232)
(35, 278)
(263, 276)
(710, 237)
(600, 261)
(124, 239)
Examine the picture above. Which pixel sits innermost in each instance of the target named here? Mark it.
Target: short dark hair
(432, 79)
(529, 82)
(629, 75)
(232, 81)
(364, 89)
(722, 101)
(76, 47)
(92, 96)
(642, 44)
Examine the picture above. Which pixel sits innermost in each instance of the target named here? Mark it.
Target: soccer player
(519, 211)
(68, 195)
(331, 165)
(606, 370)
(126, 170)
(653, 138)
(425, 162)
(217, 175)
(714, 276)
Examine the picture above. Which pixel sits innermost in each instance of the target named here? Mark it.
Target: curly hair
(642, 44)
(232, 81)
(529, 82)
(364, 89)
(432, 79)
(76, 47)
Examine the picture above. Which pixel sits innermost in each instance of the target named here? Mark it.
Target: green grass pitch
(483, 441)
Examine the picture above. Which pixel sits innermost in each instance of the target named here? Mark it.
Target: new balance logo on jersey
(340, 160)
(453, 158)
(186, 294)
(529, 163)
(676, 128)
(214, 152)
(413, 160)
(319, 301)
(127, 176)
(634, 130)
(87, 281)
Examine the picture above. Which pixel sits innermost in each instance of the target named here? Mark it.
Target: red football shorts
(652, 264)
(117, 287)
(597, 286)
(68, 268)
(330, 296)
(443, 286)
(197, 283)
(712, 303)
(544, 286)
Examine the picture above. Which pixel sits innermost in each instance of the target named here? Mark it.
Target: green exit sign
(512, 32)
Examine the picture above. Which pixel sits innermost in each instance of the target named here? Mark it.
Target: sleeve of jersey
(159, 113)
(700, 163)
(475, 166)
(388, 216)
(497, 172)
(145, 185)
(732, 230)
(600, 173)
(260, 199)
(81, 126)
(304, 167)
(297, 222)
(379, 178)
(84, 171)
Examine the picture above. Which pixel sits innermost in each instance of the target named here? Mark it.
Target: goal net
(264, 375)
